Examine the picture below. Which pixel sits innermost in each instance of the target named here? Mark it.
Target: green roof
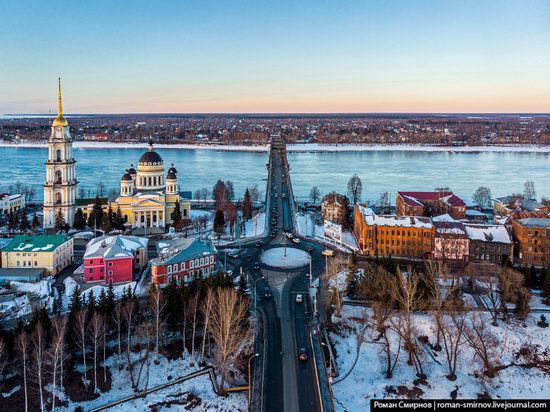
(42, 243)
(91, 201)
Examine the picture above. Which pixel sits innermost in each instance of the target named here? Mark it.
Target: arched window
(58, 155)
(58, 176)
(58, 198)
(150, 181)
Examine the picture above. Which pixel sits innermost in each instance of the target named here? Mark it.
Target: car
(273, 222)
(296, 240)
(272, 234)
(276, 195)
(289, 235)
(249, 258)
(229, 272)
(299, 298)
(284, 195)
(274, 210)
(309, 249)
(256, 266)
(328, 252)
(259, 243)
(302, 354)
(233, 255)
(287, 229)
(267, 292)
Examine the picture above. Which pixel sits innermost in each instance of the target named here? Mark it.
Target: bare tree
(97, 331)
(501, 289)
(482, 197)
(56, 353)
(144, 332)
(228, 328)
(314, 194)
(3, 358)
(206, 309)
(529, 190)
(194, 306)
(484, 344)
(452, 333)
(100, 189)
(39, 357)
(197, 195)
(80, 330)
(157, 307)
(407, 297)
(22, 343)
(118, 318)
(254, 193)
(205, 193)
(355, 188)
(128, 316)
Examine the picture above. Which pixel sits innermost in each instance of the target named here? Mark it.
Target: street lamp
(256, 294)
(249, 381)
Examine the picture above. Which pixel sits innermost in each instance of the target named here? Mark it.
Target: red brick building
(430, 204)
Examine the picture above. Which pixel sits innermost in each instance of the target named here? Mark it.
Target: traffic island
(285, 258)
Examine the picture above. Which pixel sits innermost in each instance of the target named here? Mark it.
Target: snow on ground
(308, 228)
(118, 290)
(196, 213)
(42, 289)
(366, 380)
(159, 374)
(289, 258)
(255, 226)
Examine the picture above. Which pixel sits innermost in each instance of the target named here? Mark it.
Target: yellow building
(148, 198)
(52, 253)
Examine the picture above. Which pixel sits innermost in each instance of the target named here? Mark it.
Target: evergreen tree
(11, 221)
(119, 219)
(91, 220)
(106, 224)
(103, 302)
(247, 205)
(351, 276)
(24, 223)
(177, 219)
(91, 304)
(35, 222)
(219, 223)
(59, 221)
(75, 303)
(111, 297)
(40, 315)
(546, 286)
(15, 220)
(79, 221)
(243, 287)
(534, 277)
(97, 213)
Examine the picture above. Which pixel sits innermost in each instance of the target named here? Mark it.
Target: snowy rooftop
(535, 222)
(398, 221)
(488, 233)
(455, 229)
(109, 247)
(365, 211)
(443, 218)
(43, 243)
(180, 250)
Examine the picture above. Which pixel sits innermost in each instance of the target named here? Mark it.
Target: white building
(11, 203)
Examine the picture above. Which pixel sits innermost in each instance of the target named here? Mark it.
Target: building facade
(51, 252)
(489, 243)
(451, 241)
(430, 204)
(397, 236)
(60, 185)
(532, 241)
(147, 197)
(183, 259)
(11, 203)
(334, 207)
(114, 259)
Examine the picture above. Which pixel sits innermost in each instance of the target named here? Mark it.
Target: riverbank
(302, 148)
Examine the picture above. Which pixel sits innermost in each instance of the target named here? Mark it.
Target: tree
(22, 344)
(56, 354)
(75, 303)
(35, 223)
(59, 221)
(100, 189)
(243, 286)
(158, 304)
(384, 202)
(230, 190)
(219, 223)
(106, 223)
(228, 328)
(351, 276)
(80, 330)
(205, 193)
(255, 194)
(355, 188)
(79, 221)
(96, 215)
(247, 205)
(546, 286)
(452, 333)
(206, 309)
(482, 197)
(97, 329)
(314, 194)
(220, 193)
(197, 195)
(177, 219)
(39, 357)
(484, 344)
(529, 190)
(24, 223)
(231, 215)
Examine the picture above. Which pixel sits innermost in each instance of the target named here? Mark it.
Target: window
(211, 258)
(169, 267)
(110, 273)
(202, 262)
(58, 155)
(91, 270)
(182, 266)
(191, 264)
(110, 264)
(196, 262)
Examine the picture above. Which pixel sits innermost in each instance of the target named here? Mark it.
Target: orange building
(430, 204)
(532, 239)
(399, 236)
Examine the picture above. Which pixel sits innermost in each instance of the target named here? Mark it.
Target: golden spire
(59, 120)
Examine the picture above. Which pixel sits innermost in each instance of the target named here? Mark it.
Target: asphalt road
(287, 384)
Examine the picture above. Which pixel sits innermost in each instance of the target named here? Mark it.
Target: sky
(284, 56)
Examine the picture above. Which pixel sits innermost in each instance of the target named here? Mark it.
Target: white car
(296, 240)
(299, 298)
(233, 255)
(289, 235)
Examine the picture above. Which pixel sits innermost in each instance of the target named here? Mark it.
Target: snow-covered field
(311, 147)
(161, 371)
(366, 380)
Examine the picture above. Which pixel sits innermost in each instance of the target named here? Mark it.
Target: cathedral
(147, 197)
(60, 185)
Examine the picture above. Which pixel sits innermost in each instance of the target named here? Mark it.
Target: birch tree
(118, 318)
(157, 307)
(96, 333)
(80, 330)
(206, 309)
(56, 354)
(22, 343)
(39, 357)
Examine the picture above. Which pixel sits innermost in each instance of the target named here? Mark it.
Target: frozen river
(380, 170)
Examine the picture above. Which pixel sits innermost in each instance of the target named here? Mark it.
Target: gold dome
(59, 120)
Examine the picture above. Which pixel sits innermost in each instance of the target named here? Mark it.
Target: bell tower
(60, 185)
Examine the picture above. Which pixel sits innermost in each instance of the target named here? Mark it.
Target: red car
(302, 354)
